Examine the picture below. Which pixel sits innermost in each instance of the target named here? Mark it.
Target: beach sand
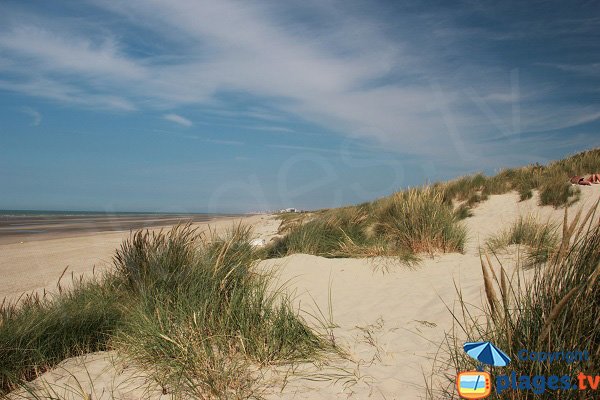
(35, 263)
(390, 318)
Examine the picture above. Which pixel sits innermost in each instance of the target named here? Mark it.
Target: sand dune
(389, 318)
(393, 322)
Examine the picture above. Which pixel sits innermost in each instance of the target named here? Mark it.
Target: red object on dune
(580, 180)
(594, 178)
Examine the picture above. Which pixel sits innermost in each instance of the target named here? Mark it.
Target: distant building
(290, 210)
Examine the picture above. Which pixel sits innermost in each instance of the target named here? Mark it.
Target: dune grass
(558, 193)
(427, 219)
(540, 239)
(554, 309)
(202, 322)
(188, 309)
(402, 225)
(552, 181)
(44, 330)
(418, 220)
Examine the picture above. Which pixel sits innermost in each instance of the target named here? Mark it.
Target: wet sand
(22, 227)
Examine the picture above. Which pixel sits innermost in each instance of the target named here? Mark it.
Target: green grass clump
(554, 309)
(402, 225)
(418, 220)
(43, 330)
(557, 193)
(540, 239)
(551, 180)
(189, 310)
(525, 193)
(464, 188)
(204, 316)
(318, 237)
(463, 211)
(339, 232)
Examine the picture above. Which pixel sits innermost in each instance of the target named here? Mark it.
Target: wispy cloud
(592, 69)
(203, 138)
(225, 142)
(178, 119)
(68, 52)
(36, 117)
(354, 75)
(66, 93)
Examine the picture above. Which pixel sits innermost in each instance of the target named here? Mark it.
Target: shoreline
(29, 227)
(36, 263)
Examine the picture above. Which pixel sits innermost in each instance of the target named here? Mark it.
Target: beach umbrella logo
(477, 384)
(486, 353)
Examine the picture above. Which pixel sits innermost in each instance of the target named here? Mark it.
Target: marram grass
(554, 309)
(190, 310)
(539, 239)
(43, 330)
(552, 181)
(426, 219)
(402, 225)
(199, 329)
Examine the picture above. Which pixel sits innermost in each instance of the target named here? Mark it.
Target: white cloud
(584, 69)
(36, 117)
(178, 119)
(336, 76)
(68, 52)
(50, 89)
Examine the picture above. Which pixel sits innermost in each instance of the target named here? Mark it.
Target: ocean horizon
(40, 213)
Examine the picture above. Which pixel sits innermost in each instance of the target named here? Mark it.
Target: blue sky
(219, 106)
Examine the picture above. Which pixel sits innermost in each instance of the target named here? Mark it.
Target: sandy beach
(299, 200)
(34, 262)
(389, 318)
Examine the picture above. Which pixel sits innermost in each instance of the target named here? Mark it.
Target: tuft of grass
(318, 237)
(541, 239)
(402, 225)
(525, 193)
(204, 326)
(291, 220)
(418, 220)
(41, 331)
(188, 309)
(554, 309)
(147, 255)
(463, 211)
(558, 192)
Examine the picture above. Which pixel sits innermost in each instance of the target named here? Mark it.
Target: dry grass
(554, 309)
(424, 220)
(402, 225)
(189, 310)
(552, 181)
(540, 239)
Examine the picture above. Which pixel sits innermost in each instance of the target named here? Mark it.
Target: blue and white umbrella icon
(486, 353)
